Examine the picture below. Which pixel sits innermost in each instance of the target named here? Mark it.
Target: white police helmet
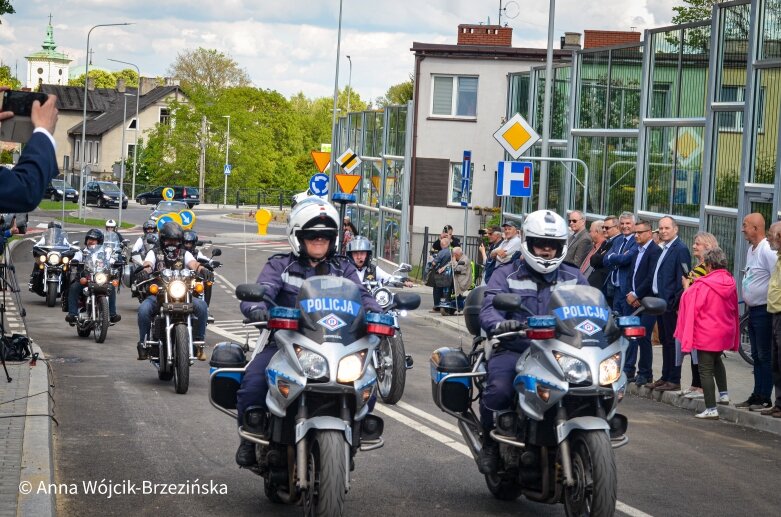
(111, 224)
(540, 228)
(313, 213)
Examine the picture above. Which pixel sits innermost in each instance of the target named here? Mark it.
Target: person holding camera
(23, 186)
(494, 235)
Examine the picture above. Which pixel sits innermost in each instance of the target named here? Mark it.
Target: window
(97, 153)
(77, 151)
(131, 150)
(89, 152)
(733, 121)
(132, 124)
(165, 116)
(454, 96)
(455, 185)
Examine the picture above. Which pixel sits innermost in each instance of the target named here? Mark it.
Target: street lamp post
(84, 115)
(138, 125)
(227, 149)
(332, 186)
(349, 84)
(123, 157)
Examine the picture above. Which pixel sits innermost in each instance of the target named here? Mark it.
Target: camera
(20, 127)
(481, 232)
(6, 221)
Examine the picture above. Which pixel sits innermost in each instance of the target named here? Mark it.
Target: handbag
(15, 348)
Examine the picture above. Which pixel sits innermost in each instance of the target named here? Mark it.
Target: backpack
(15, 348)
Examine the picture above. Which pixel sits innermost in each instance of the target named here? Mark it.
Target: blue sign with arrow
(318, 184)
(466, 173)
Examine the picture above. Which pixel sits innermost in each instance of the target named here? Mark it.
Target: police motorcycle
(556, 445)
(320, 383)
(99, 276)
(170, 341)
(52, 254)
(390, 360)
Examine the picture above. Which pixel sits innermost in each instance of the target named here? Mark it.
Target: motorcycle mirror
(125, 242)
(405, 268)
(216, 252)
(653, 306)
(75, 243)
(406, 301)
(507, 302)
(250, 292)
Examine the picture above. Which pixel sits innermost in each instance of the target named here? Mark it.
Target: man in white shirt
(760, 262)
(509, 246)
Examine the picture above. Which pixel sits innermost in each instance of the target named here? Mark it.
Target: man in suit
(674, 263)
(642, 275)
(597, 238)
(579, 242)
(600, 273)
(620, 262)
(22, 187)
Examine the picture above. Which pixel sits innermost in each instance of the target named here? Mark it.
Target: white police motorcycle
(320, 384)
(556, 444)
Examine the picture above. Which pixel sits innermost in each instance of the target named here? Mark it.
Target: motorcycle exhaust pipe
(472, 440)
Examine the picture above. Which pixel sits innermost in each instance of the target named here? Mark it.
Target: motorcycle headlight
(177, 289)
(575, 370)
(65, 260)
(42, 258)
(350, 367)
(383, 297)
(313, 365)
(610, 370)
(101, 278)
(54, 258)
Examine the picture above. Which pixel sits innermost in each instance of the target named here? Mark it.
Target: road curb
(36, 464)
(732, 414)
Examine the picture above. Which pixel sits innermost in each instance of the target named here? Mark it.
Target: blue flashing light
(381, 319)
(341, 197)
(284, 313)
(537, 322)
(628, 321)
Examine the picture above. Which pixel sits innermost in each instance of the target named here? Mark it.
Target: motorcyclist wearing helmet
(170, 255)
(137, 252)
(190, 242)
(534, 276)
(92, 240)
(36, 277)
(111, 226)
(359, 251)
(312, 232)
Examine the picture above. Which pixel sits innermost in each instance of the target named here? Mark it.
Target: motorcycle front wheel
(181, 359)
(327, 473)
(594, 470)
(51, 293)
(101, 323)
(391, 368)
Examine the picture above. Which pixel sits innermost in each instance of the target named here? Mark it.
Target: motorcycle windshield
(331, 310)
(98, 259)
(55, 239)
(111, 242)
(583, 317)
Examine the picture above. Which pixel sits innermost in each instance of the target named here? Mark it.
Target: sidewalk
(25, 428)
(740, 378)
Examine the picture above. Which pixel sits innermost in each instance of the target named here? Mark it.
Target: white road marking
(632, 512)
(431, 418)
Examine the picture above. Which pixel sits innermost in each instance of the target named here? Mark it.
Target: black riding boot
(245, 454)
(489, 456)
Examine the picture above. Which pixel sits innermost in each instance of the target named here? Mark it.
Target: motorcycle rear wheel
(51, 293)
(327, 472)
(392, 371)
(101, 324)
(181, 359)
(594, 470)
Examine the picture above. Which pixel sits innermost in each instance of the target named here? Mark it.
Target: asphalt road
(118, 422)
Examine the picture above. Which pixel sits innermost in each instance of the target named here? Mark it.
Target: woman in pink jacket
(708, 323)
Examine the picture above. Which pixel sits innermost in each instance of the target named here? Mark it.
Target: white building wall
(47, 71)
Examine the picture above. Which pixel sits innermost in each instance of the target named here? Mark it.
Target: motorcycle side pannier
(472, 305)
(225, 385)
(454, 392)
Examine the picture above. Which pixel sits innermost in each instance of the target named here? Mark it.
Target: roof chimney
(121, 85)
(91, 83)
(570, 41)
(489, 35)
(146, 85)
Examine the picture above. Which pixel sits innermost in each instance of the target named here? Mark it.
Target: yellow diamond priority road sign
(516, 136)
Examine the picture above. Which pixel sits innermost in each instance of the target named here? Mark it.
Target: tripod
(8, 281)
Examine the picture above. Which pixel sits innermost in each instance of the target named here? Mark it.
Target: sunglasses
(638, 232)
(573, 221)
(150, 230)
(311, 235)
(606, 228)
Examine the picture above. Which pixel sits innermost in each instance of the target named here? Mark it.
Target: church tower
(47, 66)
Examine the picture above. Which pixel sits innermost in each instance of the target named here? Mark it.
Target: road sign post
(466, 172)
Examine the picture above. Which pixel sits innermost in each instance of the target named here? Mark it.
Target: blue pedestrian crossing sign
(188, 219)
(318, 184)
(514, 179)
(227, 169)
(168, 193)
(170, 217)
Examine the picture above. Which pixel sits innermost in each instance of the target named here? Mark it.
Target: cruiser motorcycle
(390, 360)
(321, 383)
(52, 256)
(93, 313)
(556, 443)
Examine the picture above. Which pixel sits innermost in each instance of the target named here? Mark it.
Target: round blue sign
(164, 219)
(318, 184)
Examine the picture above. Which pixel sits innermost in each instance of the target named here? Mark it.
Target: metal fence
(256, 197)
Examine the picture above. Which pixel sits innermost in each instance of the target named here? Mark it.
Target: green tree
(130, 76)
(693, 11)
(6, 8)
(7, 79)
(102, 78)
(208, 69)
(398, 93)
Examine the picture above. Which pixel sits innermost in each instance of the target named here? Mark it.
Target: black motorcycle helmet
(149, 227)
(190, 240)
(94, 234)
(168, 233)
(54, 224)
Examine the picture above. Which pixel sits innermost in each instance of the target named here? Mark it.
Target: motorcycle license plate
(179, 308)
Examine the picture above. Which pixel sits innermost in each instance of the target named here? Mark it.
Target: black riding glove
(207, 275)
(507, 326)
(258, 314)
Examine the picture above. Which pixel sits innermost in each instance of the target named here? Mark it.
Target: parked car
(58, 188)
(189, 195)
(104, 194)
(164, 207)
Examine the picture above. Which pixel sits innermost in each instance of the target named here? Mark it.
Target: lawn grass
(95, 223)
(48, 204)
